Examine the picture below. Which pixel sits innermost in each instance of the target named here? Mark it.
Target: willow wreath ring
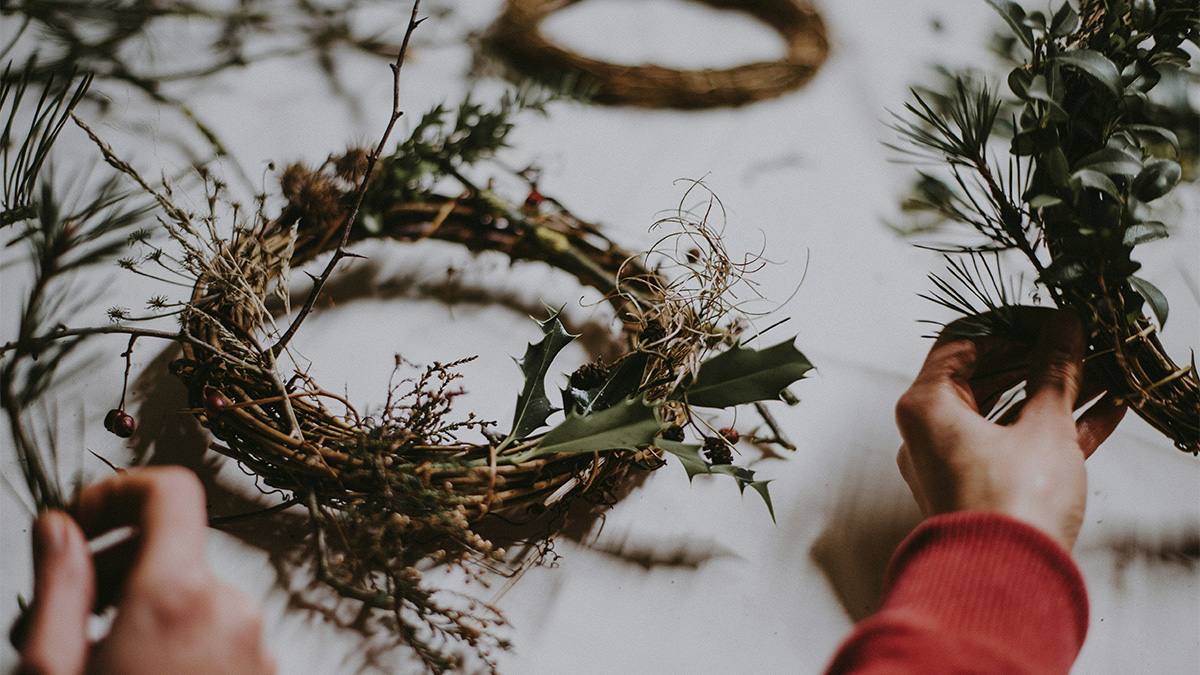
(517, 38)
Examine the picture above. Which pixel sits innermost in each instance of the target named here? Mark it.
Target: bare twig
(352, 215)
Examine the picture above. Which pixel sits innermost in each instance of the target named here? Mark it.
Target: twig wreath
(516, 38)
(395, 492)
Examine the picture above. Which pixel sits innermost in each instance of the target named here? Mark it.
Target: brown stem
(348, 224)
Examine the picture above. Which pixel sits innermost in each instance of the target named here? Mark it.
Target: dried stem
(352, 214)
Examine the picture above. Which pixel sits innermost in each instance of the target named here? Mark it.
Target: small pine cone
(589, 376)
(653, 332)
(717, 450)
(672, 433)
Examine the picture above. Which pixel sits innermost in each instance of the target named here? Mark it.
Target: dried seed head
(673, 433)
(717, 450)
(589, 375)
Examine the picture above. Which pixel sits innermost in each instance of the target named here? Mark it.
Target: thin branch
(348, 225)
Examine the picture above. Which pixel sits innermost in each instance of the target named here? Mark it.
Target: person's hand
(172, 614)
(1028, 464)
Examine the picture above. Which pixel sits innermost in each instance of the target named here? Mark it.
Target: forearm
(973, 592)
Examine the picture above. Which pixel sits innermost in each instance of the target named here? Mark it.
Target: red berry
(730, 434)
(215, 402)
(534, 199)
(120, 423)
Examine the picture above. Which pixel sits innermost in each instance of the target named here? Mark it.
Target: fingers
(167, 504)
(1097, 423)
(1055, 373)
(56, 639)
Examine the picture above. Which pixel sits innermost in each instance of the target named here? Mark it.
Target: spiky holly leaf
(625, 426)
(533, 406)
(694, 463)
(744, 375)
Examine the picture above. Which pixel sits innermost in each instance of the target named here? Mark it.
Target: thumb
(64, 585)
(1055, 372)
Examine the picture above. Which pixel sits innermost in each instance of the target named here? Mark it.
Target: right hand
(1029, 467)
(173, 615)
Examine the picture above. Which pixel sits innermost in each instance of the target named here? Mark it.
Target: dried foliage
(516, 38)
(1086, 163)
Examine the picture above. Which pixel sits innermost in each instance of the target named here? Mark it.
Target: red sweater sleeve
(976, 593)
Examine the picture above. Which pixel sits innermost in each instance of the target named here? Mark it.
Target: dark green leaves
(1094, 64)
(1153, 297)
(743, 375)
(1157, 179)
(622, 382)
(533, 406)
(695, 464)
(626, 425)
(1112, 162)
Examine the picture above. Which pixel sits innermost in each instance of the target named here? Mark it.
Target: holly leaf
(695, 464)
(625, 426)
(533, 406)
(741, 375)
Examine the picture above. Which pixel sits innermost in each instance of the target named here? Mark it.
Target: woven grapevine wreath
(396, 492)
(516, 38)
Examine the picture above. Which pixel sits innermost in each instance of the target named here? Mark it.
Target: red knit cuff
(992, 577)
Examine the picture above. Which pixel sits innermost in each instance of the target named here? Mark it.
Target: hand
(173, 615)
(1029, 465)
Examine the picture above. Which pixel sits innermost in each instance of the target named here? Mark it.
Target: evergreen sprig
(1086, 162)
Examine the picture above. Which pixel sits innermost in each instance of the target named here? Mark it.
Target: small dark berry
(120, 423)
(717, 450)
(672, 433)
(730, 434)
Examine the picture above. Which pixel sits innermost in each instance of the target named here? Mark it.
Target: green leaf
(695, 464)
(1014, 16)
(533, 406)
(625, 426)
(745, 375)
(1141, 233)
(623, 382)
(1018, 81)
(1153, 296)
(1156, 179)
(1096, 181)
(1094, 64)
(1057, 166)
(1065, 20)
(1111, 161)
(1148, 133)
(1062, 272)
(688, 454)
(1042, 201)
